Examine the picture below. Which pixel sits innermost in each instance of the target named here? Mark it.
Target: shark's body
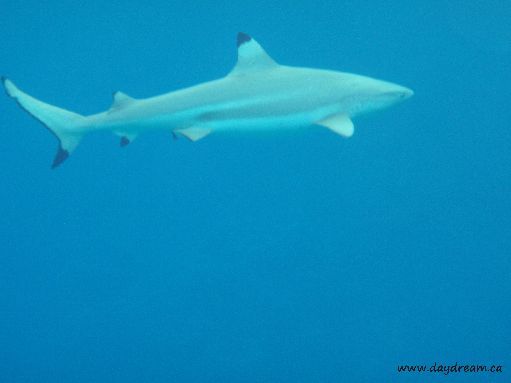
(258, 94)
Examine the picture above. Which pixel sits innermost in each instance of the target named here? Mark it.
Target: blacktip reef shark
(258, 94)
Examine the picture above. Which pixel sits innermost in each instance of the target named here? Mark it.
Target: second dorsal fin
(121, 100)
(251, 56)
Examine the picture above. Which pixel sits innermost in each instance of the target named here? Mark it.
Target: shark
(258, 94)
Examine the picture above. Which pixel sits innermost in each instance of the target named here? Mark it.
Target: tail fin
(65, 125)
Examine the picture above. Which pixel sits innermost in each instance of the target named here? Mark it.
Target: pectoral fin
(194, 133)
(340, 124)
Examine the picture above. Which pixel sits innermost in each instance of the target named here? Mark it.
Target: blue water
(306, 258)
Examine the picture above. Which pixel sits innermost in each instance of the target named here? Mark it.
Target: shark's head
(384, 94)
(368, 94)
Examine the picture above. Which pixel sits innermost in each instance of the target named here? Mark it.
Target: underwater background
(305, 258)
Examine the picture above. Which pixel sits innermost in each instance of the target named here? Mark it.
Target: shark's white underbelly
(270, 121)
(238, 116)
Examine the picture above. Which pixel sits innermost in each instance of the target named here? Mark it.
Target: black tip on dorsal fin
(243, 38)
(60, 157)
(124, 141)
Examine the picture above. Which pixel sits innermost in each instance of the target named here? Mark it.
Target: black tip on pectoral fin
(124, 142)
(243, 38)
(60, 157)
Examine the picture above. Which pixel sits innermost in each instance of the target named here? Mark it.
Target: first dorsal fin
(251, 56)
(121, 100)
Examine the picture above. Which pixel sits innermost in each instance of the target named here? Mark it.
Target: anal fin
(124, 141)
(126, 138)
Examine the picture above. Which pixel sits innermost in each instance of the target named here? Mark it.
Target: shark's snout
(383, 94)
(398, 92)
(405, 93)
